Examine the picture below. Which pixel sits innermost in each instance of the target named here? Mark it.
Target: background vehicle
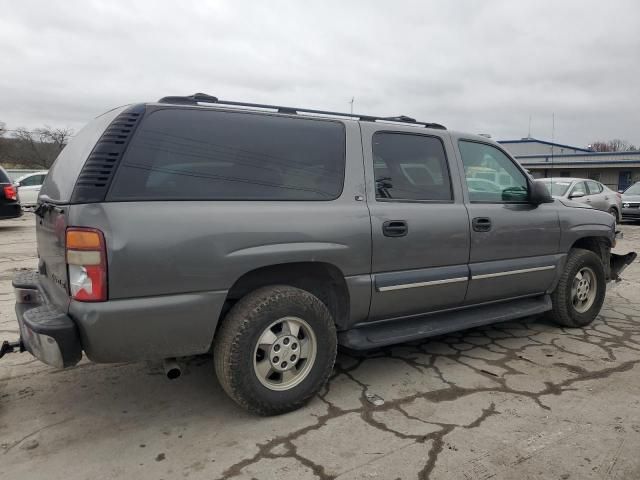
(29, 186)
(9, 203)
(586, 191)
(277, 233)
(631, 202)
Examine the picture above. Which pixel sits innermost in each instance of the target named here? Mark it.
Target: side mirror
(576, 195)
(538, 193)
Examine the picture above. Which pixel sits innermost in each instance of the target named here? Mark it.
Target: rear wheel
(275, 349)
(580, 292)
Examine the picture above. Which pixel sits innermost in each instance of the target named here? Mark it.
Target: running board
(398, 331)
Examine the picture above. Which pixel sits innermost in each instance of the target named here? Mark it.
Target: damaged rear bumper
(46, 332)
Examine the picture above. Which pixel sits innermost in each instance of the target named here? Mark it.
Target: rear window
(187, 154)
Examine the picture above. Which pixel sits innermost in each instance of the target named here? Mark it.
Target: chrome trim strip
(512, 272)
(422, 284)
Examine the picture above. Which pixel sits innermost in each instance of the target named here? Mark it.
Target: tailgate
(51, 224)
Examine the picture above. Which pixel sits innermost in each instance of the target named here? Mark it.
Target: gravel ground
(517, 400)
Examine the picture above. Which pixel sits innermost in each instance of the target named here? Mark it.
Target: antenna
(351, 102)
(553, 135)
(529, 134)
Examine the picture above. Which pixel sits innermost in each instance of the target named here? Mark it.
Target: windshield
(557, 187)
(633, 189)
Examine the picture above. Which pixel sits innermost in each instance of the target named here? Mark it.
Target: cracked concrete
(521, 400)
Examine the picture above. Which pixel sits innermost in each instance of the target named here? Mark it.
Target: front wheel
(275, 349)
(578, 298)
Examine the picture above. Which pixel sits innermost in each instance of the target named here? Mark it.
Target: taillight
(10, 192)
(87, 263)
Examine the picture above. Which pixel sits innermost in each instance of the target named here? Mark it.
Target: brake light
(87, 264)
(10, 192)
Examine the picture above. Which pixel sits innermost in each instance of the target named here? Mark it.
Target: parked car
(586, 191)
(29, 187)
(271, 235)
(631, 202)
(9, 203)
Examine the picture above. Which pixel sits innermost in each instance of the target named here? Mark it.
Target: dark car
(9, 203)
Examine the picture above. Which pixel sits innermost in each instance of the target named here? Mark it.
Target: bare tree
(40, 147)
(615, 145)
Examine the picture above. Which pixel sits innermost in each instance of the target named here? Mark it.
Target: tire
(613, 211)
(569, 311)
(238, 357)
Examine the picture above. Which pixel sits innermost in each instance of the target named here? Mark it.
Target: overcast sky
(477, 66)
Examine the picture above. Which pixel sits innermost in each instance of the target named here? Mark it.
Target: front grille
(97, 173)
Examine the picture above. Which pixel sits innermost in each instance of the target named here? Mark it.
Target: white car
(29, 187)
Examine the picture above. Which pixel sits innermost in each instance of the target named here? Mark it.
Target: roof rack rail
(197, 98)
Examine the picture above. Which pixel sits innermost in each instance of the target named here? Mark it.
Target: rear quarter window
(188, 154)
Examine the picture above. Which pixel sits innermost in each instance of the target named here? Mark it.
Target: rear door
(420, 226)
(514, 244)
(597, 198)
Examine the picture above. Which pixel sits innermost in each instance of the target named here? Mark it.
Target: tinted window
(4, 178)
(410, 167)
(503, 180)
(181, 154)
(594, 187)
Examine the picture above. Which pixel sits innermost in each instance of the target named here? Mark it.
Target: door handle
(395, 228)
(481, 224)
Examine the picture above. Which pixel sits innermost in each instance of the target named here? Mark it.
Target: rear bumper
(124, 330)
(10, 210)
(46, 332)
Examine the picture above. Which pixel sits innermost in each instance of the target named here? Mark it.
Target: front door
(420, 225)
(514, 244)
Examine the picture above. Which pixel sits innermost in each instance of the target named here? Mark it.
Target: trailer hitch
(11, 347)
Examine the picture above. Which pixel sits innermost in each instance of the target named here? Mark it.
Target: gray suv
(270, 235)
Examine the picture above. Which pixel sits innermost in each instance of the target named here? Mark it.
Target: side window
(594, 187)
(189, 154)
(579, 190)
(30, 181)
(410, 167)
(41, 179)
(491, 176)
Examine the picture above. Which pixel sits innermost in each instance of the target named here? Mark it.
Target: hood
(570, 203)
(630, 198)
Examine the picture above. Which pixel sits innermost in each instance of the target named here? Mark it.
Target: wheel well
(598, 245)
(323, 280)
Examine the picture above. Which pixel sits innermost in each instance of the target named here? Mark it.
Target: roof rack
(197, 98)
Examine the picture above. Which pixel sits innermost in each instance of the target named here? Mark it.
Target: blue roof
(544, 142)
(588, 153)
(583, 163)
